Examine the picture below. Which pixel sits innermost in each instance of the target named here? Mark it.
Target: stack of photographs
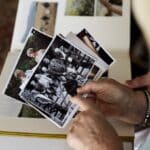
(49, 71)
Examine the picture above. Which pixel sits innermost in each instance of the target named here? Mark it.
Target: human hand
(90, 131)
(113, 100)
(139, 82)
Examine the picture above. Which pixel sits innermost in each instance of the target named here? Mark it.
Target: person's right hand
(114, 100)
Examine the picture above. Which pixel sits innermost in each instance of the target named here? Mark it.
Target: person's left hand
(139, 82)
(90, 131)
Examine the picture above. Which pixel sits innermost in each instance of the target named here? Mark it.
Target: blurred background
(8, 10)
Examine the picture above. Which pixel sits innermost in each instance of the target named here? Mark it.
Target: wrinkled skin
(139, 82)
(108, 98)
(90, 131)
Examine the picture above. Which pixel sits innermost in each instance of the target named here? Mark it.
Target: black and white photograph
(90, 41)
(29, 57)
(94, 74)
(62, 70)
(94, 8)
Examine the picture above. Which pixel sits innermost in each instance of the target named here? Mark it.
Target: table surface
(24, 143)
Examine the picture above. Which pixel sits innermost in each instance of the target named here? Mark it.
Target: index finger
(91, 87)
(83, 103)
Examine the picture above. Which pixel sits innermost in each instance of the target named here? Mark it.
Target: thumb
(139, 82)
(83, 103)
(91, 87)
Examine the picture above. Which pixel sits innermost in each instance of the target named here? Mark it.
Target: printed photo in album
(62, 70)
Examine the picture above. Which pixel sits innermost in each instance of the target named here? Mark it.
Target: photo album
(49, 71)
(58, 46)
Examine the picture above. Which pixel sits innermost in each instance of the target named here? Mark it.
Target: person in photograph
(40, 91)
(70, 58)
(66, 75)
(88, 42)
(46, 61)
(112, 8)
(22, 75)
(37, 55)
(37, 88)
(59, 53)
(65, 54)
(44, 70)
(49, 105)
(59, 67)
(49, 85)
(44, 80)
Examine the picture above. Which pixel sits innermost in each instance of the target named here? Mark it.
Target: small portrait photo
(46, 17)
(109, 7)
(80, 8)
(40, 15)
(90, 41)
(30, 56)
(62, 70)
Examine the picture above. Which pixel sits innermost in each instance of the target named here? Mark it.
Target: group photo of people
(63, 69)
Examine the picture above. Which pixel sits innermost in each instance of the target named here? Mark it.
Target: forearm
(116, 9)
